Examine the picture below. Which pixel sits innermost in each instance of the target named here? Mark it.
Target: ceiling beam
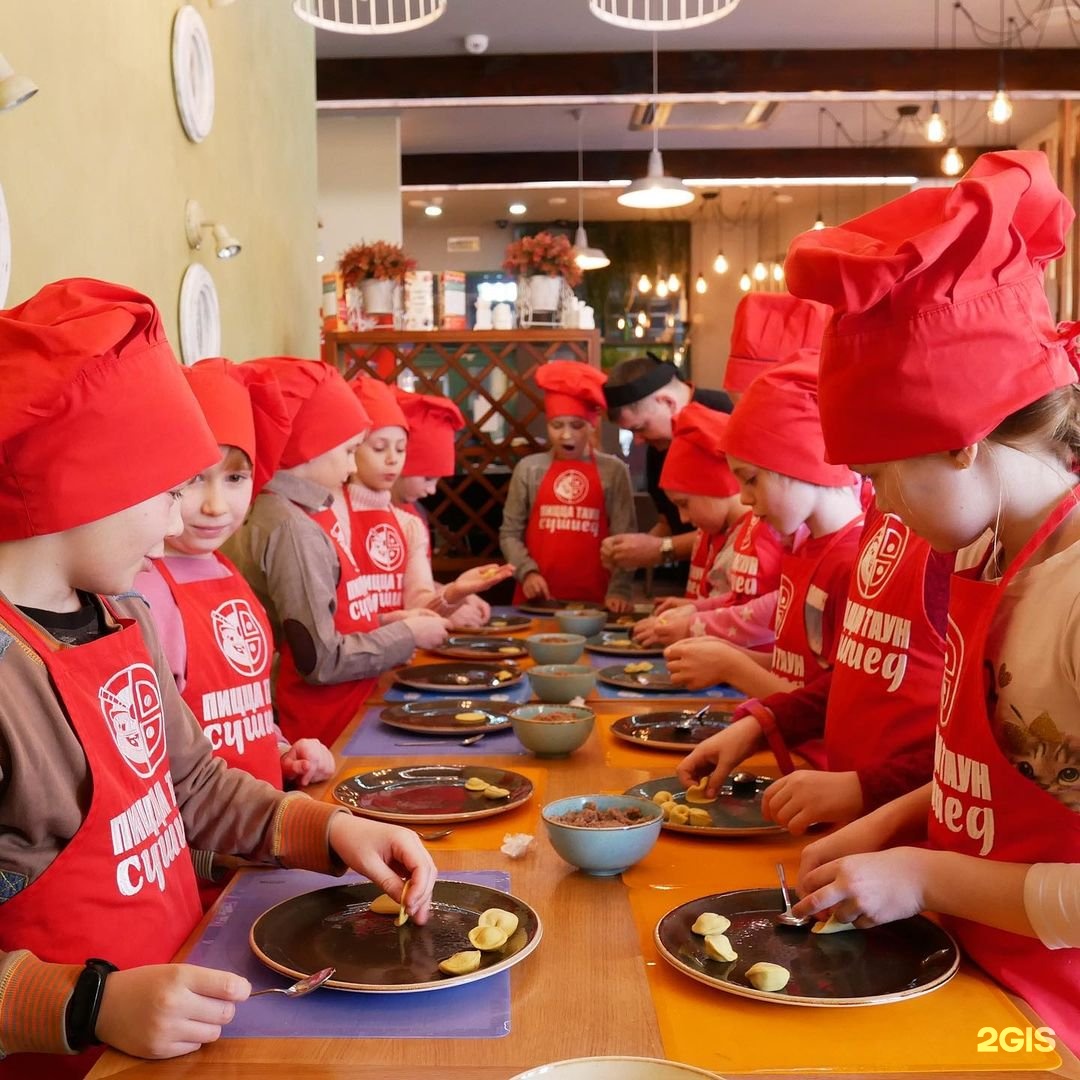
(778, 71)
(420, 170)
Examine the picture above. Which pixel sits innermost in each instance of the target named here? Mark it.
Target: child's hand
(805, 796)
(619, 605)
(700, 662)
(535, 587)
(428, 631)
(714, 758)
(672, 603)
(307, 761)
(630, 551)
(401, 614)
(164, 1010)
(472, 612)
(386, 854)
(477, 579)
(665, 629)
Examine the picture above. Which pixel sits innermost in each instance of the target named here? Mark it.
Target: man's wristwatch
(667, 551)
(80, 1020)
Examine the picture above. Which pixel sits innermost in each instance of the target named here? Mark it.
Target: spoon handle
(783, 887)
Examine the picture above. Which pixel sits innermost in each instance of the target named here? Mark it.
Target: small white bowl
(615, 1068)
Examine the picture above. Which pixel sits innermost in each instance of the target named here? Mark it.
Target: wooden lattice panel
(490, 375)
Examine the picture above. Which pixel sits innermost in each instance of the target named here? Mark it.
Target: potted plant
(545, 260)
(375, 268)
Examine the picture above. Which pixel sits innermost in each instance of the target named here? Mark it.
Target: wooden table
(584, 991)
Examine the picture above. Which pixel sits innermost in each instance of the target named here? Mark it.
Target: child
(295, 551)
(938, 297)
(387, 542)
(211, 626)
(107, 776)
(735, 566)
(774, 447)
(563, 503)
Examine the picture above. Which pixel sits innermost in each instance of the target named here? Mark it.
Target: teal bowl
(552, 730)
(561, 683)
(603, 850)
(555, 648)
(586, 621)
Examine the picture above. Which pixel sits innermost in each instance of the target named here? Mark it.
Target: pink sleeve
(167, 621)
(419, 587)
(749, 625)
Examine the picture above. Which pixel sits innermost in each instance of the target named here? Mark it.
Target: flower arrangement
(543, 253)
(380, 260)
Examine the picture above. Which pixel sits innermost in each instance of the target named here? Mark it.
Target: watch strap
(80, 1020)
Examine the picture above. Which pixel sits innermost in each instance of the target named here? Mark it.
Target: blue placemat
(372, 738)
(517, 693)
(479, 1010)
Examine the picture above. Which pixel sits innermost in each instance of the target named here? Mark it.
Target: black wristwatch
(80, 1020)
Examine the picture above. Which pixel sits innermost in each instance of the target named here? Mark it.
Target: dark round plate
(661, 731)
(481, 647)
(333, 927)
(461, 677)
(733, 814)
(437, 717)
(549, 607)
(656, 680)
(893, 962)
(624, 623)
(619, 643)
(412, 794)
(499, 624)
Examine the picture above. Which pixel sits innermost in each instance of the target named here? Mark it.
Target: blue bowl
(555, 648)
(552, 730)
(603, 851)
(587, 622)
(561, 683)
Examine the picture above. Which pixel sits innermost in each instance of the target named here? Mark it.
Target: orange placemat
(484, 834)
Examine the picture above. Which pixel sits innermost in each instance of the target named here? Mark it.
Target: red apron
(321, 712)
(567, 524)
(228, 669)
(983, 806)
(755, 566)
(707, 548)
(123, 888)
(889, 658)
(378, 547)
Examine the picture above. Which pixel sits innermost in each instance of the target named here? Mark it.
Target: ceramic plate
(460, 677)
(655, 680)
(661, 731)
(333, 927)
(427, 793)
(437, 717)
(893, 962)
(733, 814)
(619, 643)
(623, 623)
(499, 624)
(481, 647)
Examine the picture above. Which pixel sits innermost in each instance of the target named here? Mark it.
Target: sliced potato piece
(764, 976)
(384, 905)
(461, 963)
(708, 922)
(719, 948)
(506, 921)
(832, 925)
(488, 938)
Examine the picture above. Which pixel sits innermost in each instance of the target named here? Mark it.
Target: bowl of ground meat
(602, 834)
(555, 648)
(559, 684)
(552, 730)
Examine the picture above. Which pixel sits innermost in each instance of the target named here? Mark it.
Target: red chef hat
(379, 402)
(695, 462)
(571, 388)
(323, 411)
(776, 424)
(244, 408)
(941, 328)
(432, 423)
(770, 327)
(95, 415)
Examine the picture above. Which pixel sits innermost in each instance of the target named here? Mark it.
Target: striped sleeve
(33, 1001)
(301, 833)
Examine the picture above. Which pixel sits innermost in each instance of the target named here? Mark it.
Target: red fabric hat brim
(571, 388)
(695, 463)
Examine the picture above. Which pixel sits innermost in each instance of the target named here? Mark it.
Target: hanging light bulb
(670, 321)
(644, 284)
(935, 126)
(952, 164)
(642, 318)
(621, 324)
(745, 283)
(701, 286)
(778, 272)
(720, 263)
(639, 331)
(673, 282)
(1001, 108)
(761, 271)
(819, 221)
(661, 288)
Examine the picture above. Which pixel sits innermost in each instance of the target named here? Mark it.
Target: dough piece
(488, 938)
(403, 915)
(503, 675)
(770, 977)
(700, 817)
(384, 905)
(708, 922)
(679, 815)
(719, 948)
(497, 622)
(489, 571)
(476, 783)
(513, 649)
(667, 807)
(493, 792)
(638, 668)
(620, 641)
(661, 797)
(461, 963)
(506, 921)
(832, 925)
(696, 794)
(470, 717)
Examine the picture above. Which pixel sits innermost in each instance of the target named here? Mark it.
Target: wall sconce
(226, 246)
(14, 88)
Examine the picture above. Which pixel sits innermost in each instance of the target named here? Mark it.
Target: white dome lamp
(387, 17)
(587, 258)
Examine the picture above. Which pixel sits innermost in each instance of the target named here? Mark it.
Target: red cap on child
(776, 424)
(432, 423)
(768, 328)
(323, 411)
(571, 388)
(941, 328)
(380, 402)
(95, 415)
(695, 462)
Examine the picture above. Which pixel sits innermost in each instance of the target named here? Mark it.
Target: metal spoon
(438, 835)
(786, 918)
(301, 986)
(444, 742)
(686, 723)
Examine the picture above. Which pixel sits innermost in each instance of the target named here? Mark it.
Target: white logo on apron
(131, 704)
(880, 557)
(384, 547)
(950, 676)
(783, 601)
(240, 637)
(571, 486)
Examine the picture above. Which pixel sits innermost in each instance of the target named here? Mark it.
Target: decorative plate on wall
(5, 250)
(193, 73)
(200, 316)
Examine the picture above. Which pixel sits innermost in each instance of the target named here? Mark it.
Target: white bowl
(615, 1068)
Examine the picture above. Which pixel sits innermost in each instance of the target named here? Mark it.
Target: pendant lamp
(661, 14)
(369, 16)
(587, 258)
